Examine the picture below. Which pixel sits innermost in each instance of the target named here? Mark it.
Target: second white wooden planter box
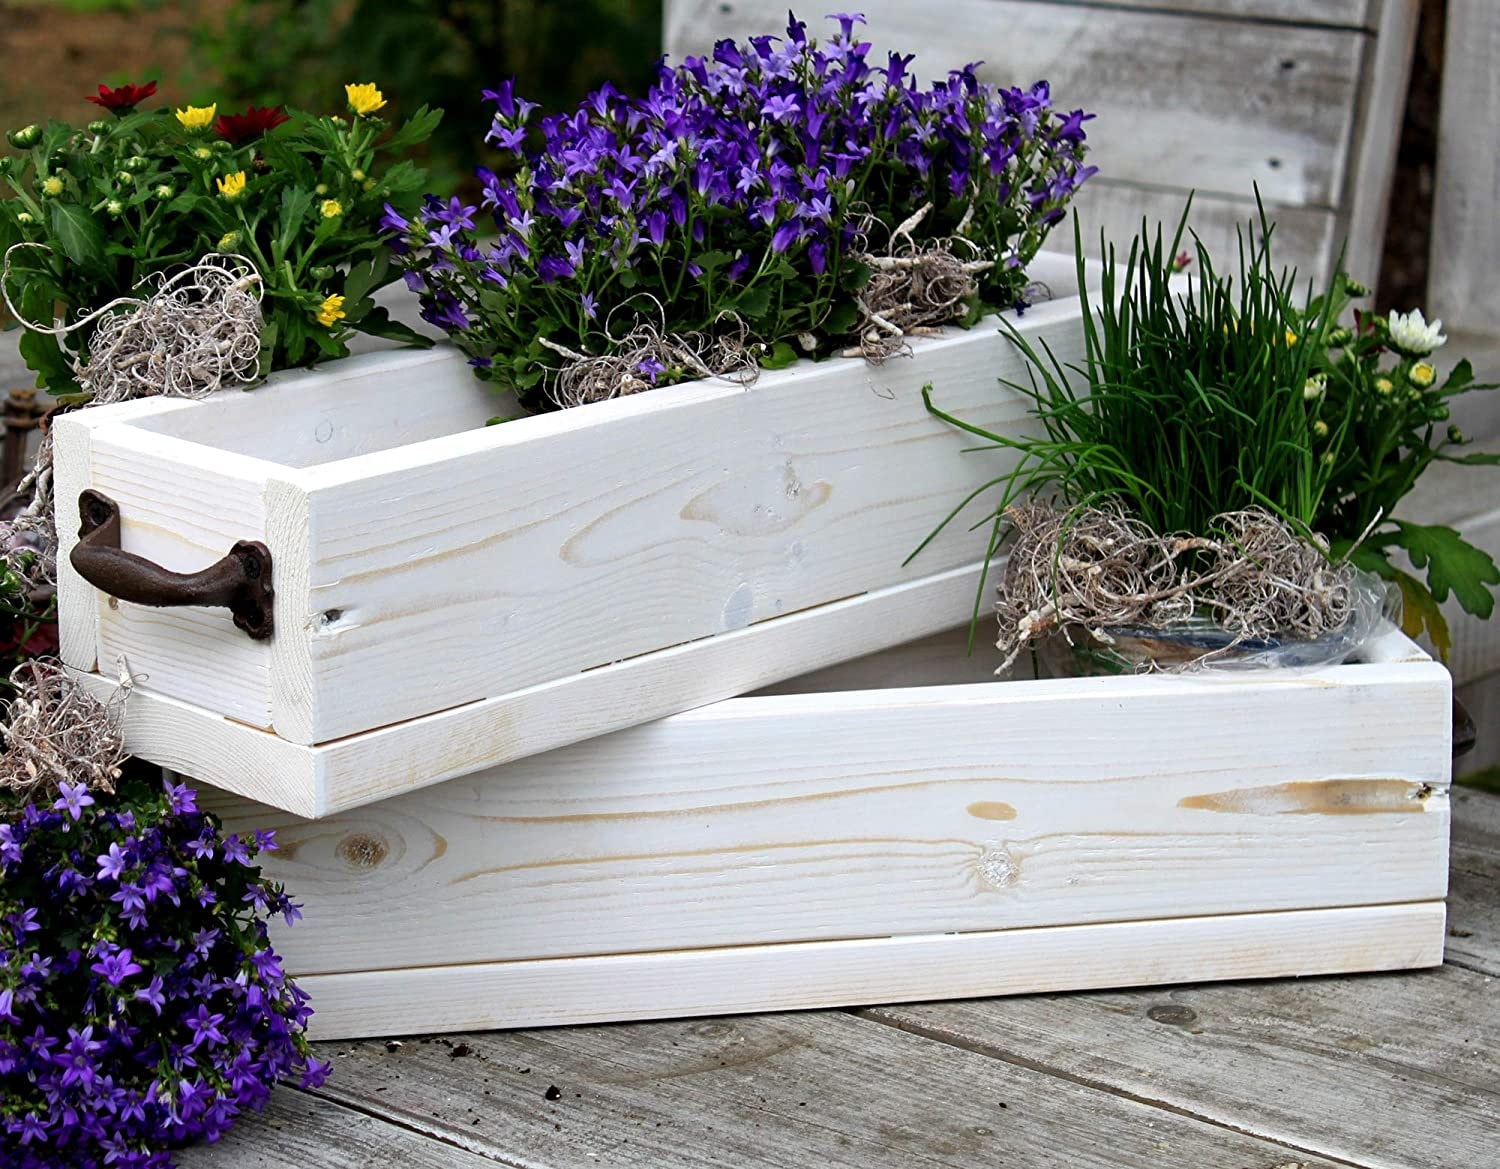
(838, 844)
(449, 596)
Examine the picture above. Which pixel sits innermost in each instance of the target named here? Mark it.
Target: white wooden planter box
(830, 845)
(450, 596)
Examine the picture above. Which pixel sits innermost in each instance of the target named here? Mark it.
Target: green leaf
(708, 261)
(45, 358)
(753, 303)
(1419, 609)
(418, 128)
(378, 323)
(856, 275)
(1459, 380)
(1452, 564)
(781, 356)
(842, 319)
(79, 234)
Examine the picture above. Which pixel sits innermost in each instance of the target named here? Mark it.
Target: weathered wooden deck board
(789, 1091)
(1305, 1063)
(299, 1131)
(1474, 883)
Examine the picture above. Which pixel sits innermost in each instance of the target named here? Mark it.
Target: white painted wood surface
(879, 970)
(848, 816)
(478, 564)
(1305, 100)
(349, 772)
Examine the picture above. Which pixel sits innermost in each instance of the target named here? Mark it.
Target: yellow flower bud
(1320, 429)
(331, 310)
(332, 208)
(364, 98)
(230, 239)
(231, 186)
(1383, 385)
(52, 185)
(198, 117)
(357, 175)
(1422, 374)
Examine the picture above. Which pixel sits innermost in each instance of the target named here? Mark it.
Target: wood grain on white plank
(801, 975)
(314, 781)
(889, 812)
(468, 567)
(303, 418)
(1462, 288)
(1184, 102)
(72, 442)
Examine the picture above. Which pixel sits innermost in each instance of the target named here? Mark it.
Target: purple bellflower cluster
(141, 1004)
(738, 191)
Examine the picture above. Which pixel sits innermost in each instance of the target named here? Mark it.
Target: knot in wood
(360, 850)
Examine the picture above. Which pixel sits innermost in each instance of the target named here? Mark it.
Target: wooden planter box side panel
(644, 531)
(477, 563)
(803, 976)
(968, 820)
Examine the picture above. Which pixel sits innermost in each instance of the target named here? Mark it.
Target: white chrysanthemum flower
(1411, 333)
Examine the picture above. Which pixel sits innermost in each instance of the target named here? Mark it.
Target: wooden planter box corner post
(451, 595)
(835, 844)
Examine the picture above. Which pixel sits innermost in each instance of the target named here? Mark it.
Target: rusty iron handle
(240, 581)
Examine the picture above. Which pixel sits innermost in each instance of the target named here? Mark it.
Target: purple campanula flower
(116, 966)
(779, 109)
(10, 849)
(503, 97)
(393, 220)
(113, 862)
(74, 798)
(651, 368)
(590, 308)
(786, 235)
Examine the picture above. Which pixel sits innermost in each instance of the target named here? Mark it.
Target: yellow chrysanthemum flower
(364, 99)
(332, 208)
(198, 117)
(1291, 337)
(52, 185)
(331, 310)
(1422, 374)
(230, 186)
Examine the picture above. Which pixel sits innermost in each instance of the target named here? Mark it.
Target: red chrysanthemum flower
(124, 98)
(247, 127)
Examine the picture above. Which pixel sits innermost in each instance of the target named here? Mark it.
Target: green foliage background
(437, 52)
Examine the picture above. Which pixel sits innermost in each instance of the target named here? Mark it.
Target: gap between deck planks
(1371, 1071)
